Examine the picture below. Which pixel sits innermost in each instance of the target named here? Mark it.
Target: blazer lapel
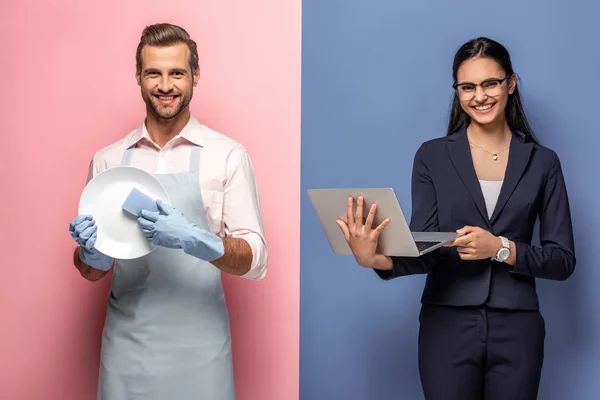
(518, 158)
(460, 154)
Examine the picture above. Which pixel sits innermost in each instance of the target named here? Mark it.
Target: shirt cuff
(258, 267)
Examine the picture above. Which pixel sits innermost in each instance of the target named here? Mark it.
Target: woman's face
(482, 90)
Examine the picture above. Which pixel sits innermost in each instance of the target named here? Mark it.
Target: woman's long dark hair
(515, 115)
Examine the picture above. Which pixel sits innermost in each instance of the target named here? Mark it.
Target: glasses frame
(456, 85)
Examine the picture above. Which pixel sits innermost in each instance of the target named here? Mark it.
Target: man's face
(166, 79)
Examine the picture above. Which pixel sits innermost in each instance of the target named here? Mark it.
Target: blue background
(376, 83)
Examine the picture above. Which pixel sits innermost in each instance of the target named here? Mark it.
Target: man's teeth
(484, 107)
(165, 98)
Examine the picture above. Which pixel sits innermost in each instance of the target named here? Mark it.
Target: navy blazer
(446, 196)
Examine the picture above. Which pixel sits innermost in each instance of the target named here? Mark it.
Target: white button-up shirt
(227, 181)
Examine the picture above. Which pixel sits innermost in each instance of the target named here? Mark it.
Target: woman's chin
(485, 120)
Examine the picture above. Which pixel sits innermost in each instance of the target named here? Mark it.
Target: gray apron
(166, 335)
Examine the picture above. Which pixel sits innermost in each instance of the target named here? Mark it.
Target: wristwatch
(504, 252)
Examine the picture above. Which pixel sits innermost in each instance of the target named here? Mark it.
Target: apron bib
(166, 335)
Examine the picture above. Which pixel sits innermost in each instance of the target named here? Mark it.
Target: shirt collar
(193, 132)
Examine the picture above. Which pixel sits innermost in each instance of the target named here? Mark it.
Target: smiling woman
(481, 332)
(487, 62)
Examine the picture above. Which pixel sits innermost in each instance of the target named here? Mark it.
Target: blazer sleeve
(556, 258)
(424, 218)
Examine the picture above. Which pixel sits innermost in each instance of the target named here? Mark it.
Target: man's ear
(196, 77)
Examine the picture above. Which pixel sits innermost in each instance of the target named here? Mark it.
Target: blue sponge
(137, 201)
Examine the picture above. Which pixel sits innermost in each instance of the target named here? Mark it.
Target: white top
(227, 181)
(491, 191)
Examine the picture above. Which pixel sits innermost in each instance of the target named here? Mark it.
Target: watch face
(503, 254)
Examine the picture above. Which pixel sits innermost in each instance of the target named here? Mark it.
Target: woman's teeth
(483, 107)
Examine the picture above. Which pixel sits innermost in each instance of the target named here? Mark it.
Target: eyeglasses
(491, 87)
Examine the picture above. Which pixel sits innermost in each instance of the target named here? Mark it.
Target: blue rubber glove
(84, 231)
(169, 228)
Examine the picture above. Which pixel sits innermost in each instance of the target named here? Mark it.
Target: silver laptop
(395, 240)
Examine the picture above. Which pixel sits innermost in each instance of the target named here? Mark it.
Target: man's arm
(237, 259)
(89, 273)
(244, 242)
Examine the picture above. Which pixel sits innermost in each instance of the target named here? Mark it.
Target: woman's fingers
(371, 216)
(350, 212)
(344, 227)
(382, 226)
(358, 217)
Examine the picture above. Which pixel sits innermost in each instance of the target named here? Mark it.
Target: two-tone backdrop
(323, 93)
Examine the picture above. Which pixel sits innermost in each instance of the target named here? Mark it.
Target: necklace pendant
(495, 157)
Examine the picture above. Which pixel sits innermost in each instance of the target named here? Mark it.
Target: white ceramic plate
(119, 235)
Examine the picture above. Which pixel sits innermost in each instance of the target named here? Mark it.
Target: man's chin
(166, 115)
(165, 112)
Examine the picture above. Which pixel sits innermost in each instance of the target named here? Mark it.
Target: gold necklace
(494, 155)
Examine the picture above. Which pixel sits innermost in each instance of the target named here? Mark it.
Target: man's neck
(490, 136)
(161, 131)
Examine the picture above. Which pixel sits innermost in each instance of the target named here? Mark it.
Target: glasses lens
(465, 92)
(468, 91)
(492, 88)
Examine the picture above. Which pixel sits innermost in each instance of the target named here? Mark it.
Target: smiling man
(167, 333)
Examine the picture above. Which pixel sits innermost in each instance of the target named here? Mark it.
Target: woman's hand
(476, 243)
(360, 236)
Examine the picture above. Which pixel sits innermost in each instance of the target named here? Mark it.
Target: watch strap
(505, 245)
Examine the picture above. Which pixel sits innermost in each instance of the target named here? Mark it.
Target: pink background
(69, 89)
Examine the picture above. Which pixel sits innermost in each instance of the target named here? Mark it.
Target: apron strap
(195, 158)
(126, 160)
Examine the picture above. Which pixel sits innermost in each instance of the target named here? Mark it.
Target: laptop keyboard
(425, 245)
